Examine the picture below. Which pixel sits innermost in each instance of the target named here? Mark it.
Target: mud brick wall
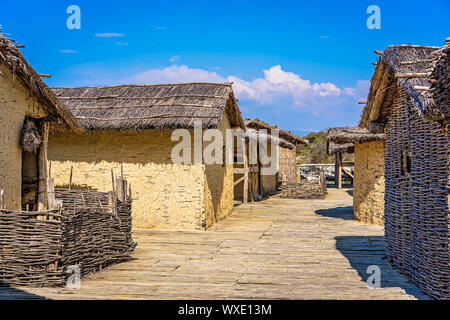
(368, 185)
(16, 102)
(165, 195)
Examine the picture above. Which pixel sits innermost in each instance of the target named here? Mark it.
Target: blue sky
(302, 65)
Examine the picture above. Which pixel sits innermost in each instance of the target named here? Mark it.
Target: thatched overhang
(342, 139)
(254, 134)
(155, 106)
(284, 134)
(406, 67)
(12, 58)
(332, 147)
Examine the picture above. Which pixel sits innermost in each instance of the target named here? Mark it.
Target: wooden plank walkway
(272, 249)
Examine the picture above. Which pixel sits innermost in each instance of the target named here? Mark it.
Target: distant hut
(28, 106)
(368, 179)
(288, 142)
(409, 98)
(251, 183)
(129, 130)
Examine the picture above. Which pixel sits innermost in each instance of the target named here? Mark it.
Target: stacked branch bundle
(314, 189)
(91, 231)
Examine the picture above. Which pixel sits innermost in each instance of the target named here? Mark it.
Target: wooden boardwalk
(272, 249)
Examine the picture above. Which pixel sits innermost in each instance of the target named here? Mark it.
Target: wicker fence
(314, 189)
(91, 231)
(417, 217)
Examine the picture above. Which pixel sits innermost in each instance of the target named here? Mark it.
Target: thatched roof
(405, 66)
(156, 106)
(332, 147)
(261, 136)
(342, 135)
(11, 57)
(342, 139)
(284, 134)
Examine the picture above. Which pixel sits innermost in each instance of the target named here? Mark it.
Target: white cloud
(67, 51)
(109, 35)
(119, 43)
(174, 58)
(278, 84)
(176, 74)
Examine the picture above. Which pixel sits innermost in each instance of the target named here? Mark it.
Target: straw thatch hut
(287, 143)
(409, 98)
(129, 130)
(368, 179)
(250, 180)
(27, 108)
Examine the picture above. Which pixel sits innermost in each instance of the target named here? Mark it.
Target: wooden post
(112, 180)
(120, 189)
(2, 199)
(112, 202)
(70, 179)
(49, 169)
(244, 151)
(42, 168)
(338, 170)
(51, 194)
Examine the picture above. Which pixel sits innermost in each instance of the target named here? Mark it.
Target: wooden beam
(348, 173)
(45, 75)
(239, 180)
(411, 75)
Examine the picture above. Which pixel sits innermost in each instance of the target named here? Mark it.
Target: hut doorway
(29, 180)
(31, 143)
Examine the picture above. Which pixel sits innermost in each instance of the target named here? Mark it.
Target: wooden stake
(2, 199)
(245, 196)
(42, 169)
(70, 179)
(51, 194)
(338, 170)
(112, 180)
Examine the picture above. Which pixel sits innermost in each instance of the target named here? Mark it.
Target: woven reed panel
(37, 252)
(416, 197)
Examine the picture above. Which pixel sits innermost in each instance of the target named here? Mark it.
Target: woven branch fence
(36, 248)
(417, 216)
(314, 189)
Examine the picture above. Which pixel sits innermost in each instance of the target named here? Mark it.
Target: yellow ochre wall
(368, 185)
(16, 102)
(165, 195)
(219, 186)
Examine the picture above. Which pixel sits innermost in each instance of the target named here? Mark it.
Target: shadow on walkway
(365, 251)
(345, 213)
(10, 293)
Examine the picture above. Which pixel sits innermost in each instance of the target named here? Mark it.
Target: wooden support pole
(51, 194)
(112, 180)
(2, 199)
(70, 179)
(245, 196)
(42, 170)
(338, 170)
